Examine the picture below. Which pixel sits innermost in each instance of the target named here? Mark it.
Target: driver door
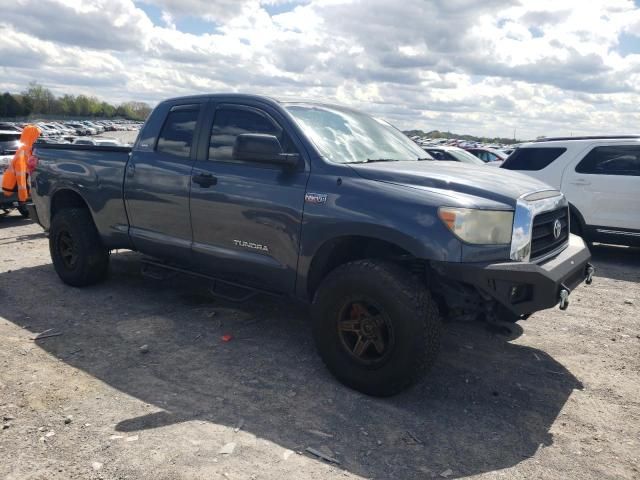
(246, 216)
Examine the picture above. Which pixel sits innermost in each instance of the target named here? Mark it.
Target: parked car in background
(79, 128)
(9, 142)
(46, 130)
(98, 128)
(92, 130)
(10, 126)
(452, 154)
(62, 129)
(507, 151)
(488, 155)
(600, 177)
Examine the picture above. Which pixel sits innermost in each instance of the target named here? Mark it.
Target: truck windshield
(346, 136)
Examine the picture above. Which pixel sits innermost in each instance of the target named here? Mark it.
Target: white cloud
(543, 67)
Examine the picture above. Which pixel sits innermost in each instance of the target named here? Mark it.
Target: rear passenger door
(604, 185)
(157, 185)
(246, 216)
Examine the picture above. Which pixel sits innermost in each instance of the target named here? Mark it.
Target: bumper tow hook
(564, 299)
(590, 271)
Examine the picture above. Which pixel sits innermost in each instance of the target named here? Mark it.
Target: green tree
(41, 99)
(12, 107)
(134, 110)
(67, 105)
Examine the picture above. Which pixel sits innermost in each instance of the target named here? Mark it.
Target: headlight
(482, 227)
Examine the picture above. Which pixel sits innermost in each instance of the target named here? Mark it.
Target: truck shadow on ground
(487, 405)
(13, 219)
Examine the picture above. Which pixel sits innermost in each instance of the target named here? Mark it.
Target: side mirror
(262, 148)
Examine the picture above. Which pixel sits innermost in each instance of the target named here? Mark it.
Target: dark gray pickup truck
(322, 203)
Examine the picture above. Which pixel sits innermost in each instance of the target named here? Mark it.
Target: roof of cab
(263, 98)
(247, 96)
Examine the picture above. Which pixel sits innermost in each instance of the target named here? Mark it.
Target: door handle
(131, 169)
(205, 180)
(580, 182)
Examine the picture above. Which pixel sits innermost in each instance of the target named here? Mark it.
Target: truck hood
(481, 181)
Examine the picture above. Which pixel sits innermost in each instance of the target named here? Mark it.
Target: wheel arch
(347, 248)
(67, 198)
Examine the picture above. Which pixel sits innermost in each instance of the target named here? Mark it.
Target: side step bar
(217, 282)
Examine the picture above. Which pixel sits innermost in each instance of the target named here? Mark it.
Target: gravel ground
(560, 399)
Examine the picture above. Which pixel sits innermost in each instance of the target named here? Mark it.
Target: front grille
(543, 240)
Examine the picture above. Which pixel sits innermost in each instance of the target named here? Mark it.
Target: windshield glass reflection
(346, 136)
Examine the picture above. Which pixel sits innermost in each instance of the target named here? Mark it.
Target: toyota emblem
(557, 229)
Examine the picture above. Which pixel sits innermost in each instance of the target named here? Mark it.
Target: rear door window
(532, 159)
(176, 136)
(611, 160)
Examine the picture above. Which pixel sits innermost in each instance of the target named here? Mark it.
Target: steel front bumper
(525, 287)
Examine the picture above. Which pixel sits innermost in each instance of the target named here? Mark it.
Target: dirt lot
(562, 400)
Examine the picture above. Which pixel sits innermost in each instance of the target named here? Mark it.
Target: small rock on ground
(228, 448)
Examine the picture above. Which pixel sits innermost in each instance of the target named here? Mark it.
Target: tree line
(38, 100)
(470, 138)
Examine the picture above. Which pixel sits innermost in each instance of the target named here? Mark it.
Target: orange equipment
(15, 177)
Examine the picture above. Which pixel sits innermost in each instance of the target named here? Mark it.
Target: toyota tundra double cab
(322, 203)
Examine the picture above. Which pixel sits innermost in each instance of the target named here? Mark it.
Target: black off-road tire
(413, 316)
(575, 224)
(23, 211)
(90, 259)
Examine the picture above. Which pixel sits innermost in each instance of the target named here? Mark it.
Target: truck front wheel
(78, 255)
(375, 326)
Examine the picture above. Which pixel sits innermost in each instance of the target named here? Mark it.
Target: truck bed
(95, 173)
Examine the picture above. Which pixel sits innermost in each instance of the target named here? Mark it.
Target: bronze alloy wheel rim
(365, 331)
(67, 250)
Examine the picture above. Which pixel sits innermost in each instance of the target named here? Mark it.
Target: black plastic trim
(545, 280)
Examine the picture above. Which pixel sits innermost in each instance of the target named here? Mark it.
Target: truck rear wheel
(375, 326)
(78, 255)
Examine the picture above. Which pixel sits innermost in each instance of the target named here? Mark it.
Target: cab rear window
(535, 158)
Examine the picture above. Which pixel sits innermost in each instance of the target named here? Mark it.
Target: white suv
(600, 176)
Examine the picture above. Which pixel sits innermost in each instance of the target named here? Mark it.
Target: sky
(490, 67)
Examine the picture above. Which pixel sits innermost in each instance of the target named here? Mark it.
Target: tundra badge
(251, 245)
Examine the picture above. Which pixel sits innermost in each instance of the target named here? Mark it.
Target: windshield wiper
(369, 160)
(425, 158)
